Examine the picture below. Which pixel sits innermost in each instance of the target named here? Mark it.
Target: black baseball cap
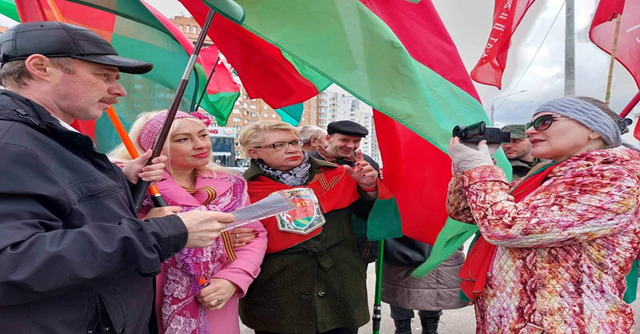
(57, 39)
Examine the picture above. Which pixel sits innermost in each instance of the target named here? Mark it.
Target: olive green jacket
(313, 287)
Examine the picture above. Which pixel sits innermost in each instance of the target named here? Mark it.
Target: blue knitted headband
(587, 114)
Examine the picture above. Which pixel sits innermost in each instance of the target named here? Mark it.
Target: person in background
(198, 289)
(312, 278)
(74, 257)
(555, 246)
(429, 295)
(312, 137)
(518, 151)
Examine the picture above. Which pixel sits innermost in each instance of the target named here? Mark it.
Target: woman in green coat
(312, 279)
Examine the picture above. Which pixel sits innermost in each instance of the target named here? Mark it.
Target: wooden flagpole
(614, 50)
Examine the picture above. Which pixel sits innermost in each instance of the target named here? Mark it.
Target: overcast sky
(469, 23)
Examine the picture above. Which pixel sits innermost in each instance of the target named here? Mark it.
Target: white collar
(65, 124)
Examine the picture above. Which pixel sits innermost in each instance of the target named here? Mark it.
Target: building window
(265, 115)
(253, 114)
(273, 116)
(195, 29)
(182, 27)
(264, 108)
(253, 106)
(236, 119)
(236, 111)
(246, 120)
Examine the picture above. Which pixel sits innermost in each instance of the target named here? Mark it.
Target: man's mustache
(109, 101)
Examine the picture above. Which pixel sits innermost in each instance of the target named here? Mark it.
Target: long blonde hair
(120, 154)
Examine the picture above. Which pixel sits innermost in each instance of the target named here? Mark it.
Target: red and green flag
(396, 56)
(135, 32)
(222, 91)
(259, 62)
(8, 9)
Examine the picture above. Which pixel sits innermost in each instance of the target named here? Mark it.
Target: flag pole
(614, 49)
(140, 188)
(570, 49)
(634, 101)
(56, 11)
(377, 305)
(156, 196)
(204, 91)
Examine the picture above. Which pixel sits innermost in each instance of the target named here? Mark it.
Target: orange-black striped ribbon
(226, 237)
(324, 183)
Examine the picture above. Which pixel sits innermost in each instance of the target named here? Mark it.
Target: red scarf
(333, 187)
(478, 263)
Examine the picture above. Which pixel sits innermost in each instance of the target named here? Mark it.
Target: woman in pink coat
(557, 244)
(198, 289)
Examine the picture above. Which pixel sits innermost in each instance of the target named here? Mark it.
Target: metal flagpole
(377, 305)
(156, 196)
(570, 51)
(204, 91)
(634, 101)
(140, 188)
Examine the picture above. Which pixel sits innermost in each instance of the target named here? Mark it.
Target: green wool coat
(312, 287)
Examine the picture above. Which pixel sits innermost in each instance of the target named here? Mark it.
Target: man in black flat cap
(74, 257)
(344, 139)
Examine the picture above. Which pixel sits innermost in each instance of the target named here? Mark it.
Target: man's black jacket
(73, 254)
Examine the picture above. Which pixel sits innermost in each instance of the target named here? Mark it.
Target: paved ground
(460, 321)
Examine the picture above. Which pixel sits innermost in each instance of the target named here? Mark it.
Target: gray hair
(307, 132)
(16, 73)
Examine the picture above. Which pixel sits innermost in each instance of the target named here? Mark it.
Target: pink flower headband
(151, 129)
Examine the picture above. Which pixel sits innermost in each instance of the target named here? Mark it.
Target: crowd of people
(552, 254)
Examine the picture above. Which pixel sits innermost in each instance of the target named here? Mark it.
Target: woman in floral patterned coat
(198, 289)
(556, 245)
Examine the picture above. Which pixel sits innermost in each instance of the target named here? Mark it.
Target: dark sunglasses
(543, 122)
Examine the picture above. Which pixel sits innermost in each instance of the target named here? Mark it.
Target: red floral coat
(564, 250)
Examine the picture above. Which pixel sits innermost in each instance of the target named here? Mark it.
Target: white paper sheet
(269, 206)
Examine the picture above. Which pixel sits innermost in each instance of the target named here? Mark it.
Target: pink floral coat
(563, 251)
(241, 272)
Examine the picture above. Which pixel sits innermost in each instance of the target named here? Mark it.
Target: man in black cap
(344, 139)
(74, 257)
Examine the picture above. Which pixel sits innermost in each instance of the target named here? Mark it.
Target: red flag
(602, 33)
(507, 15)
(607, 11)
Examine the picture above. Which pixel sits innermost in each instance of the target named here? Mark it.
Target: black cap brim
(126, 65)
